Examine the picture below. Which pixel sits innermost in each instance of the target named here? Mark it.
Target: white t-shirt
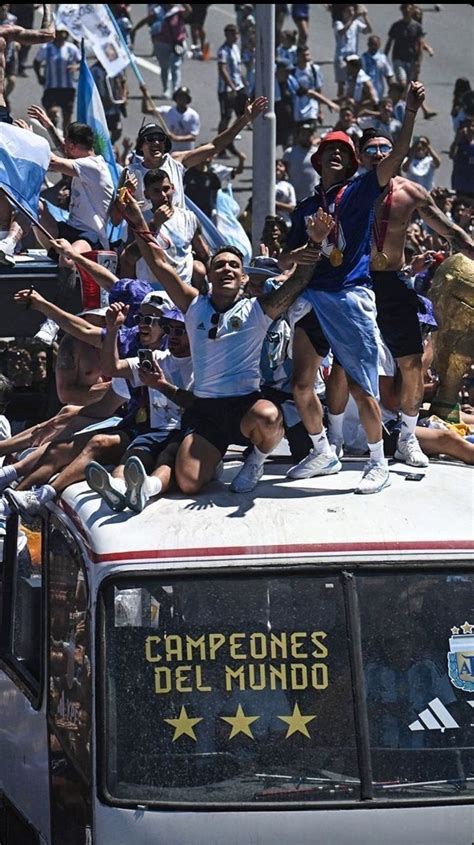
(301, 172)
(175, 171)
(181, 123)
(92, 191)
(378, 67)
(228, 365)
(164, 415)
(175, 236)
(347, 42)
(422, 171)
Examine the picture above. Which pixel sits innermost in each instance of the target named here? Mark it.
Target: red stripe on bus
(222, 551)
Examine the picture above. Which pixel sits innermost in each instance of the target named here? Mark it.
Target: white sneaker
(337, 447)
(25, 502)
(7, 253)
(248, 477)
(47, 332)
(315, 464)
(218, 472)
(409, 451)
(101, 482)
(374, 478)
(135, 476)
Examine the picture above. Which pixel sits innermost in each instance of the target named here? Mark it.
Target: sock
(376, 452)
(408, 426)
(320, 443)
(118, 483)
(152, 486)
(258, 457)
(45, 493)
(8, 473)
(335, 427)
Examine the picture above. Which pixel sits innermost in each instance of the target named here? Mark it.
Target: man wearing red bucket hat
(338, 308)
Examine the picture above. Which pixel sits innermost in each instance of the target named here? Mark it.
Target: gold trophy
(452, 295)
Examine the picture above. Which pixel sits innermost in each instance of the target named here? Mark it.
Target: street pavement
(449, 31)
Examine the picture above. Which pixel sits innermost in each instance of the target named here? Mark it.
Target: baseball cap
(369, 134)
(330, 138)
(183, 90)
(99, 311)
(172, 312)
(158, 299)
(353, 57)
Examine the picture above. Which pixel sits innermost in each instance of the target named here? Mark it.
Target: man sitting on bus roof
(226, 334)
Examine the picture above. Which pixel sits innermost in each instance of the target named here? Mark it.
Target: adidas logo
(434, 718)
(201, 326)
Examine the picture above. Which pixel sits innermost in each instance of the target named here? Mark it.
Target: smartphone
(145, 358)
(414, 476)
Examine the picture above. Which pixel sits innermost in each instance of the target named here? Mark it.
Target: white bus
(294, 665)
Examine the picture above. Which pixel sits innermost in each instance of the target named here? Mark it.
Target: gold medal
(380, 261)
(141, 415)
(336, 258)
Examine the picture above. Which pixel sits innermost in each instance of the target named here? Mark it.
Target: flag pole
(135, 69)
(27, 213)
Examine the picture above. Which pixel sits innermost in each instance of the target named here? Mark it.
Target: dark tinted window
(228, 690)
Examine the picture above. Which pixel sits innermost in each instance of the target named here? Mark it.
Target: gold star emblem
(467, 628)
(184, 724)
(297, 722)
(240, 723)
(455, 631)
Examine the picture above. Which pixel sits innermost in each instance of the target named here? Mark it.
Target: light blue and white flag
(24, 160)
(91, 111)
(213, 238)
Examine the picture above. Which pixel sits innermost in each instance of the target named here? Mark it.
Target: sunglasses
(373, 149)
(212, 333)
(155, 136)
(146, 320)
(174, 331)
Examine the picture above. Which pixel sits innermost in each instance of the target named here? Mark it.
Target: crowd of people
(325, 338)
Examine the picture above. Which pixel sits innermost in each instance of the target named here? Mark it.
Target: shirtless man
(397, 305)
(10, 230)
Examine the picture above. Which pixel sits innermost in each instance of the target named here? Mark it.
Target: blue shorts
(348, 320)
(153, 442)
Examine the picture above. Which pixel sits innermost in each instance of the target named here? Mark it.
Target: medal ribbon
(380, 232)
(333, 236)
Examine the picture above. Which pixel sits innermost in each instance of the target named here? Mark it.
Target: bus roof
(318, 519)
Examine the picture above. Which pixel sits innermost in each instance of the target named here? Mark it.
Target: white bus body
(294, 665)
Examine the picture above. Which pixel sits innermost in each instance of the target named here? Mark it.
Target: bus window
(70, 694)
(22, 588)
(418, 651)
(226, 689)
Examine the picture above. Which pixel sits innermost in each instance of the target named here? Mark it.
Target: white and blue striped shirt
(57, 61)
(229, 364)
(229, 55)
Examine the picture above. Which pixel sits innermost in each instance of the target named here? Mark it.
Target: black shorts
(232, 101)
(5, 116)
(312, 327)
(198, 14)
(397, 314)
(72, 234)
(298, 438)
(62, 97)
(153, 443)
(218, 420)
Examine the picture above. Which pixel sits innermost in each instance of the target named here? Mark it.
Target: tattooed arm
(278, 301)
(437, 220)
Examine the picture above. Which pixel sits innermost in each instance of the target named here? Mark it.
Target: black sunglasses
(155, 136)
(176, 331)
(146, 320)
(212, 333)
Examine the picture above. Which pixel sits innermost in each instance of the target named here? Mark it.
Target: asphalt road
(449, 31)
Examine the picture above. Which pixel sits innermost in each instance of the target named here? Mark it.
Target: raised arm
(39, 114)
(46, 32)
(113, 365)
(190, 158)
(460, 240)
(70, 323)
(389, 167)
(104, 277)
(275, 303)
(181, 293)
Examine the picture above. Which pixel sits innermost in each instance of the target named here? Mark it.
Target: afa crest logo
(461, 657)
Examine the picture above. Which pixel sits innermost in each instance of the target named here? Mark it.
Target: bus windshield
(240, 689)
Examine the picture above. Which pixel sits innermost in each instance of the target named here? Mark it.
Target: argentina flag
(91, 111)
(24, 160)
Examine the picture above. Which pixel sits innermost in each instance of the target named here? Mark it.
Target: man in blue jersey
(342, 311)
(226, 332)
